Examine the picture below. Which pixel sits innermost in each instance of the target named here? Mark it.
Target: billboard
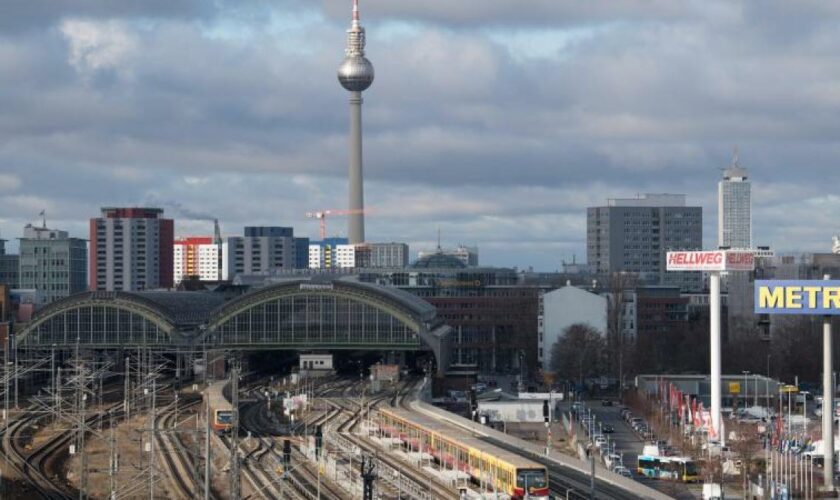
(815, 297)
(711, 260)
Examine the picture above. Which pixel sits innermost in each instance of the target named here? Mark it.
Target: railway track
(41, 466)
(178, 462)
(260, 464)
(18, 460)
(396, 478)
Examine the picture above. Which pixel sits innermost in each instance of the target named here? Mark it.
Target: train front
(534, 481)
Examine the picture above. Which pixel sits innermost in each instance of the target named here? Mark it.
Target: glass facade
(314, 319)
(97, 325)
(735, 219)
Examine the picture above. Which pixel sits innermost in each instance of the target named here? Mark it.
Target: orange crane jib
(321, 215)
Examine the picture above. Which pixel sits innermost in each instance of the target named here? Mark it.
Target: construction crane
(322, 216)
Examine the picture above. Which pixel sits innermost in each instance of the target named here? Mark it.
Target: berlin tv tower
(356, 74)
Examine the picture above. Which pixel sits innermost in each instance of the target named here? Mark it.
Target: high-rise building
(317, 256)
(372, 256)
(264, 249)
(355, 74)
(9, 267)
(131, 249)
(734, 208)
(835, 247)
(634, 235)
(345, 256)
(387, 255)
(322, 254)
(466, 254)
(196, 256)
(52, 262)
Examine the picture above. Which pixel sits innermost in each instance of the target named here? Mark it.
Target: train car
(221, 411)
(489, 467)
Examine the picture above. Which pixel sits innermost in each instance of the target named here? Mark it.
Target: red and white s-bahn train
(489, 467)
(221, 411)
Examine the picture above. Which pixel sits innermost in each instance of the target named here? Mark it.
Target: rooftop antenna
(43, 215)
(356, 13)
(735, 159)
(438, 245)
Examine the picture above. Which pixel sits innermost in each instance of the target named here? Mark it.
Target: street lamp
(745, 372)
(767, 382)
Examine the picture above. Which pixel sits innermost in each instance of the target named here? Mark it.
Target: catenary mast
(356, 74)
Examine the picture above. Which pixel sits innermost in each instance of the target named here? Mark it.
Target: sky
(495, 122)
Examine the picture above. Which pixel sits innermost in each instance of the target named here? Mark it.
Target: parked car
(606, 402)
(612, 461)
(624, 471)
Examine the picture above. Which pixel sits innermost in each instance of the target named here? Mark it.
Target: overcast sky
(496, 121)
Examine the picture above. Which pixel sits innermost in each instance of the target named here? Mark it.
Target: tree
(620, 284)
(746, 445)
(577, 354)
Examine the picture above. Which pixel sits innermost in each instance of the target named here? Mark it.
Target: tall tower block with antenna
(356, 74)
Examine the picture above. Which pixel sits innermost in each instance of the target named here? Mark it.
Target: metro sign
(712, 260)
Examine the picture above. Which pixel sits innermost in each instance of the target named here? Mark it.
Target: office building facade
(9, 267)
(263, 249)
(734, 208)
(634, 235)
(52, 262)
(387, 255)
(131, 249)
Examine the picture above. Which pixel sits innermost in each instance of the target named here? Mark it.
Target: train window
(531, 478)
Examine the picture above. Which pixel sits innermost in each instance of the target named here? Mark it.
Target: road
(630, 445)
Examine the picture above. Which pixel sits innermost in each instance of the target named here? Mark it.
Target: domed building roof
(438, 260)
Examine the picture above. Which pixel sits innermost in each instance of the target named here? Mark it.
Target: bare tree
(577, 354)
(620, 284)
(746, 446)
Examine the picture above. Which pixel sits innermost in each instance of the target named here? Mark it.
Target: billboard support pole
(714, 262)
(714, 339)
(828, 405)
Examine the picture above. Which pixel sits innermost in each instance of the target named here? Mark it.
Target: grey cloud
(505, 147)
(505, 12)
(21, 15)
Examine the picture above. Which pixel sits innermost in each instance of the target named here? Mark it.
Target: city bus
(683, 469)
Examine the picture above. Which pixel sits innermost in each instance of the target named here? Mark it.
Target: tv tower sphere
(355, 73)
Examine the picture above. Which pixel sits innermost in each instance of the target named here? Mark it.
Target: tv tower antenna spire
(356, 74)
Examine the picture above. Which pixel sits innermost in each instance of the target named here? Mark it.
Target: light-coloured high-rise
(131, 249)
(196, 256)
(734, 208)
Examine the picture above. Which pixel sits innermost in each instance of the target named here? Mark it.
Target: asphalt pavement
(629, 445)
